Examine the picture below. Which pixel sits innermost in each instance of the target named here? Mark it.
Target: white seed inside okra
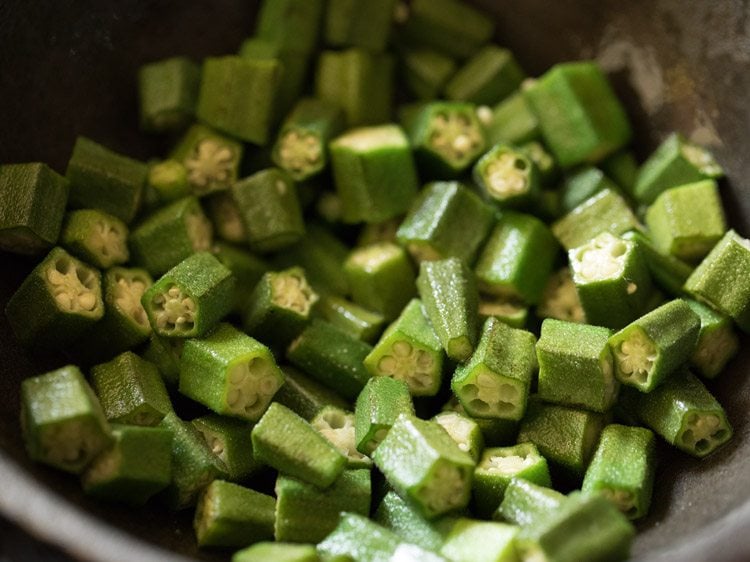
(299, 150)
(602, 258)
(454, 136)
(210, 165)
(510, 464)
(407, 363)
(458, 427)
(636, 356)
(128, 293)
(72, 287)
(560, 299)
(66, 442)
(506, 176)
(444, 490)
(199, 231)
(701, 159)
(174, 311)
(292, 291)
(489, 394)
(338, 428)
(703, 432)
(109, 241)
(251, 386)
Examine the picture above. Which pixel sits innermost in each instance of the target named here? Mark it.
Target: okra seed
(128, 295)
(599, 260)
(560, 299)
(700, 158)
(454, 136)
(623, 499)
(173, 310)
(484, 114)
(210, 165)
(199, 231)
(293, 292)
(635, 357)
(299, 151)
(504, 178)
(445, 490)
(507, 464)
(109, 241)
(72, 289)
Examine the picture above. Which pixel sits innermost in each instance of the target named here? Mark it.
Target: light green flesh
(454, 136)
(490, 395)
(635, 358)
(292, 292)
(73, 288)
(250, 387)
(338, 428)
(507, 176)
(444, 490)
(174, 311)
(703, 432)
(300, 151)
(210, 166)
(406, 362)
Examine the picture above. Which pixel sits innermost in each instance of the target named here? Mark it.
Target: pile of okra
(415, 318)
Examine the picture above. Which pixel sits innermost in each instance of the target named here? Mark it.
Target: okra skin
(62, 421)
(292, 25)
(229, 439)
(717, 341)
(623, 468)
(524, 502)
(446, 220)
(424, 72)
(495, 431)
(582, 184)
(667, 271)
(306, 396)
(35, 198)
(397, 515)
(338, 426)
(510, 121)
(449, 294)
(229, 515)
(167, 181)
(367, 24)
(560, 299)
(488, 77)
(168, 93)
(351, 318)
(381, 401)
(508, 177)
(652, 347)
(515, 315)
(247, 268)
(96, 237)
(286, 442)
(470, 540)
(279, 552)
(495, 381)
(165, 354)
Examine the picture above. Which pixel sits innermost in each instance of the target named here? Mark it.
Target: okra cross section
(507, 176)
(470, 540)
(717, 341)
(425, 466)
(339, 427)
(230, 440)
(489, 76)
(230, 372)
(464, 430)
(560, 300)
(381, 401)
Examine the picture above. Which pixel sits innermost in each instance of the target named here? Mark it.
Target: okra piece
(507, 176)
(332, 357)
(517, 259)
(194, 466)
(351, 318)
(652, 347)
(409, 351)
(375, 232)
(381, 401)
(62, 421)
(168, 180)
(211, 159)
(425, 466)
(508, 311)
(560, 299)
(286, 442)
(96, 237)
(230, 373)
(279, 307)
(169, 235)
(277, 551)
(270, 208)
(191, 298)
(510, 121)
(168, 93)
(229, 439)
(524, 502)
(464, 430)
(580, 117)
(402, 518)
(446, 137)
(606, 211)
(102, 179)
(622, 167)
(717, 341)
(448, 26)
(374, 173)
(612, 280)
(582, 184)
(470, 540)
(623, 467)
(131, 391)
(237, 96)
(293, 25)
(365, 24)
(687, 221)
(425, 72)
(165, 354)
(495, 431)
(247, 268)
(359, 82)
(305, 513)
(576, 366)
(381, 278)
(566, 437)
(338, 426)
(35, 197)
(498, 466)
(495, 381)
(134, 468)
(683, 412)
(544, 161)
(488, 77)
(305, 396)
(675, 162)
(450, 299)
(226, 217)
(229, 515)
(446, 220)
(59, 300)
(720, 279)
(667, 271)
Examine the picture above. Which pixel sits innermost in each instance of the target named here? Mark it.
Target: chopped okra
(464, 430)
(230, 440)
(381, 401)
(507, 176)
(560, 299)
(96, 236)
(338, 426)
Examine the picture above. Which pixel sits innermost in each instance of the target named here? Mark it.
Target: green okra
(131, 391)
(470, 540)
(508, 311)
(510, 121)
(229, 515)
(717, 341)
(381, 401)
(338, 426)
(498, 466)
(57, 302)
(372, 233)
(169, 235)
(582, 184)
(721, 279)
(675, 162)
(365, 24)
(580, 117)
(332, 357)
(669, 272)
(464, 430)
(237, 96)
(649, 349)
(306, 396)
(286, 442)
(247, 268)
(191, 298)
(96, 237)
(425, 466)
(168, 180)
(687, 221)
(612, 280)
(226, 217)
(496, 380)
(495, 431)
(359, 82)
(623, 468)
(404, 520)
(35, 197)
(351, 318)
(293, 25)
(450, 299)
(270, 208)
(446, 220)
(279, 307)
(374, 173)
(425, 72)
(305, 513)
(165, 354)
(211, 159)
(277, 551)
(488, 77)
(576, 366)
(622, 167)
(134, 468)
(62, 421)
(524, 502)
(544, 161)
(507, 176)
(517, 259)
(168, 93)
(230, 440)
(560, 299)
(683, 412)
(230, 373)
(409, 351)
(102, 179)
